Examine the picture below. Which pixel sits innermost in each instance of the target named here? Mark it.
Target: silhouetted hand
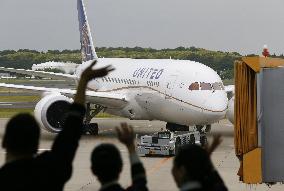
(90, 73)
(126, 136)
(215, 143)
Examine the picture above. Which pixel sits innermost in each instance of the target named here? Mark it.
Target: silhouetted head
(21, 135)
(192, 163)
(106, 163)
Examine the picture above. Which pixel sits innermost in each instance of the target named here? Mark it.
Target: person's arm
(66, 143)
(87, 75)
(138, 174)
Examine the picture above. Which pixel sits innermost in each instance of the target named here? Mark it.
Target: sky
(242, 26)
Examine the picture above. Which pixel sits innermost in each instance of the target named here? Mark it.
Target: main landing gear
(176, 127)
(91, 112)
(203, 130)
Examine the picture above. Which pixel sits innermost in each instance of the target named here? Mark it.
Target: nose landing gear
(176, 127)
(203, 130)
(91, 112)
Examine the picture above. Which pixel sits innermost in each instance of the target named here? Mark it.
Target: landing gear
(177, 144)
(192, 139)
(203, 130)
(91, 112)
(207, 128)
(199, 128)
(203, 140)
(176, 127)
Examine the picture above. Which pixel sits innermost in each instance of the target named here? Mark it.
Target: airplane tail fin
(87, 47)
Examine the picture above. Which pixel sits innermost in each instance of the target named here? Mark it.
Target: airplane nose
(217, 103)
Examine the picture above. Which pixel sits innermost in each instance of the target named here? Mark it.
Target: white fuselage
(161, 89)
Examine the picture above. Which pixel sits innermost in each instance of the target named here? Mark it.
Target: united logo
(86, 48)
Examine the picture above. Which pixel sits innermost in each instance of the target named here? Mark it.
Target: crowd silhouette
(25, 169)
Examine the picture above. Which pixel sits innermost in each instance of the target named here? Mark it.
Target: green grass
(10, 90)
(31, 98)
(22, 80)
(105, 115)
(7, 113)
(228, 82)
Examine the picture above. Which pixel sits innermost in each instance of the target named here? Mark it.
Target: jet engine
(230, 110)
(50, 111)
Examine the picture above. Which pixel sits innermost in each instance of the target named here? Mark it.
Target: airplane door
(170, 85)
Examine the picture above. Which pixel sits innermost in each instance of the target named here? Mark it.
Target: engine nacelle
(230, 111)
(50, 110)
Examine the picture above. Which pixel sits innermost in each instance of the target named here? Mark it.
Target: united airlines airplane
(181, 92)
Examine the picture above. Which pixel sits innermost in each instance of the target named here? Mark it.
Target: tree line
(222, 62)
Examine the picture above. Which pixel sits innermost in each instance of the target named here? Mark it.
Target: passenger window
(205, 86)
(194, 86)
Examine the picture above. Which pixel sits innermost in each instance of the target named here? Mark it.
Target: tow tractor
(166, 143)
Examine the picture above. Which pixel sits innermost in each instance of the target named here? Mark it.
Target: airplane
(182, 93)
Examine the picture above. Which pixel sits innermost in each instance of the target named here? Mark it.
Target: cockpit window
(205, 86)
(222, 86)
(194, 86)
(217, 86)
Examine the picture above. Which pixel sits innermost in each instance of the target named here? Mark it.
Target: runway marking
(158, 165)
(6, 104)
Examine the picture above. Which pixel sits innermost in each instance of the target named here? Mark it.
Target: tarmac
(158, 168)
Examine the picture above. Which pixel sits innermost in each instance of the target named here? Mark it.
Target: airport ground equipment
(259, 119)
(166, 143)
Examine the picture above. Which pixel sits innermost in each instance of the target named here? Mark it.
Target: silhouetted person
(107, 163)
(24, 168)
(193, 170)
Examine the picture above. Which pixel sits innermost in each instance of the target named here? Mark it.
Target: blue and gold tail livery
(87, 48)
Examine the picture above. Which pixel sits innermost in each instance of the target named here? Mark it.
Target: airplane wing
(108, 100)
(58, 76)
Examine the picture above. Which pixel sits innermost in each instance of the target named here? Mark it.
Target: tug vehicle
(167, 143)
